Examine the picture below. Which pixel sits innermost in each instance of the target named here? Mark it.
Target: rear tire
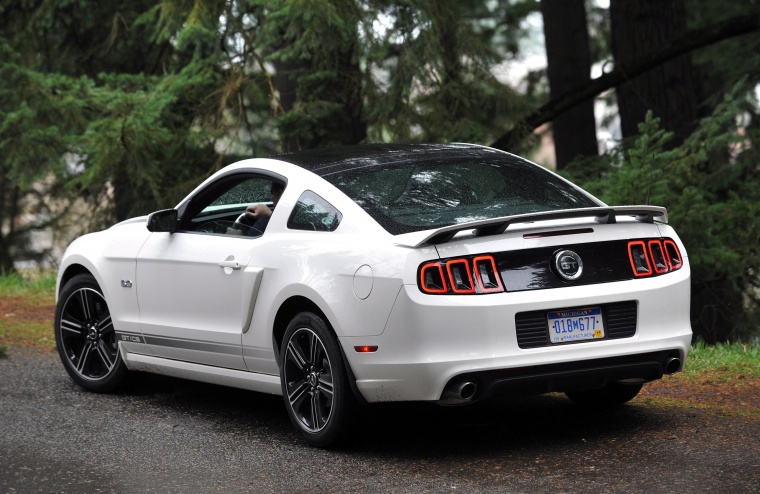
(611, 395)
(85, 336)
(315, 388)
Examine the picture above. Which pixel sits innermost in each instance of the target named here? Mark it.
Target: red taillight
(657, 255)
(432, 279)
(460, 275)
(653, 257)
(487, 275)
(637, 254)
(673, 254)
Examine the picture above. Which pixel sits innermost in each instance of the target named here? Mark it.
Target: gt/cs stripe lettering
(129, 337)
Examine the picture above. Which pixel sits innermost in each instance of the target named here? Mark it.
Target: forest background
(115, 109)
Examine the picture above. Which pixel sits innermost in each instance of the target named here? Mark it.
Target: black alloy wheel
(85, 336)
(314, 383)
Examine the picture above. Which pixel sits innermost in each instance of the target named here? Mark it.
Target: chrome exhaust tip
(672, 365)
(458, 393)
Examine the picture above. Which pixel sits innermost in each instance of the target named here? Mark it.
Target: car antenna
(651, 172)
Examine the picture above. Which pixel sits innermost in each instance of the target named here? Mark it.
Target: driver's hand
(256, 211)
(234, 231)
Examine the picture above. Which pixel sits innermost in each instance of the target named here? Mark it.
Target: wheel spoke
(74, 326)
(295, 354)
(104, 355)
(315, 346)
(84, 357)
(326, 388)
(106, 325)
(316, 411)
(297, 395)
(85, 303)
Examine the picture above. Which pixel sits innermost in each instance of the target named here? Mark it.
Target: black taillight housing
(469, 275)
(653, 257)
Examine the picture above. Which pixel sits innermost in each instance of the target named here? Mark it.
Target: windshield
(408, 197)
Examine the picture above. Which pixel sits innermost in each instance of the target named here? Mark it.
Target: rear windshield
(431, 194)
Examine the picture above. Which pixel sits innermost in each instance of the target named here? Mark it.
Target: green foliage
(728, 359)
(429, 75)
(126, 104)
(29, 285)
(711, 188)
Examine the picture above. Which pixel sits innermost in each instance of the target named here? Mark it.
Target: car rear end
(535, 285)
(517, 325)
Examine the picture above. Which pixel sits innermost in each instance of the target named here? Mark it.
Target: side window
(250, 191)
(219, 207)
(314, 213)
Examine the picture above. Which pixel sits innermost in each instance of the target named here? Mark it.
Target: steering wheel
(239, 224)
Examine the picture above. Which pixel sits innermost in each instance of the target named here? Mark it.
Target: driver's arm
(257, 211)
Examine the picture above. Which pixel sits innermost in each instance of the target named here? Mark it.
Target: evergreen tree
(714, 206)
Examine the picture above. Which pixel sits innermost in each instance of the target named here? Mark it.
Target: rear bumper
(569, 376)
(430, 342)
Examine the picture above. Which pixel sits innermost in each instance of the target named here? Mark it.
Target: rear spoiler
(496, 226)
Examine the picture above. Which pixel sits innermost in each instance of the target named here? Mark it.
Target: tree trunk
(569, 65)
(689, 41)
(9, 198)
(641, 27)
(286, 81)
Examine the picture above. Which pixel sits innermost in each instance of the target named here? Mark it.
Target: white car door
(195, 290)
(196, 295)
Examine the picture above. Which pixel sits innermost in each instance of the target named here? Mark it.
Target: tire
(611, 395)
(85, 336)
(315, 388)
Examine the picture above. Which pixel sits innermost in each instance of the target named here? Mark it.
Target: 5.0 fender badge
(126, 283)
(568, 264)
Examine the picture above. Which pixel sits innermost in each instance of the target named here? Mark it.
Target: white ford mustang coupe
(440, 273)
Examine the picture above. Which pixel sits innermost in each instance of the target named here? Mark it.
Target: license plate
(575, 325)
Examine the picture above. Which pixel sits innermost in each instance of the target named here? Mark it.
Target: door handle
(230, 263)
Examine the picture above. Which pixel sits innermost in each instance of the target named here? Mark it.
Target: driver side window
(216, 209)
(252, 191)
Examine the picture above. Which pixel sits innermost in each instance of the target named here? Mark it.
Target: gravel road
(168, 435)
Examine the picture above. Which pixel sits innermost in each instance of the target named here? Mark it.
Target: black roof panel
(339, 159)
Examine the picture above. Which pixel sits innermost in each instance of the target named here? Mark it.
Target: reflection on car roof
(334, 160)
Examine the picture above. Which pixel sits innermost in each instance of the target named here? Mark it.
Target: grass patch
(33, 283)
(27, 306)
(723, 362)
(723, 379)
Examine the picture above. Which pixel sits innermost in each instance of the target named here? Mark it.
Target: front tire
(85, 336)
(314, 383)
(611, 395)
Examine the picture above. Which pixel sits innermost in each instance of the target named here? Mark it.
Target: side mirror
(163, 221)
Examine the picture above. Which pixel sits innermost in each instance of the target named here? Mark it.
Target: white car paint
(364, 280)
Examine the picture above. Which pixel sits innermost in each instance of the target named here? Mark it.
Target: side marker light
(366, 349)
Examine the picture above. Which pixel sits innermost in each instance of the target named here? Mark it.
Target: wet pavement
(168, 435)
